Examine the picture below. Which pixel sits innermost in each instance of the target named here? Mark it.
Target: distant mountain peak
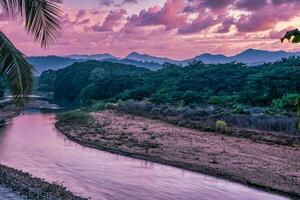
(134, 53)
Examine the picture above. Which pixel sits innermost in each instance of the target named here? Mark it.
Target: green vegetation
(83, 83)
(231, 85)
(77, 117)
(41, 19)
(285, 104)
(221, 125)
(293, 35)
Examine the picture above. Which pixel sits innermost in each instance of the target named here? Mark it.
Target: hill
(43, 63)
(231, 84)
(68, 83)
(250, 57)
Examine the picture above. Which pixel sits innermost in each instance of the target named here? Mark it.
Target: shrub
(282, 124)
(286, 103)
(75, 117)
(240, 109)
(100, 106)
(222, 126)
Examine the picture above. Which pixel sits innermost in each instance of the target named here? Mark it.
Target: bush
(285, 104)
(222, 126)
(282, 124)
(75, 117)
(100, 106)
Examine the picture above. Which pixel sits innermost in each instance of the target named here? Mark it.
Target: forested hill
(198, 83)
(68, 83)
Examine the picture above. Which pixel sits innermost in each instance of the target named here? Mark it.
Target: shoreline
(191, 168)
(24, 183)
(199, 167)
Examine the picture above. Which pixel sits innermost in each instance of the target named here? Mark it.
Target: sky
(177, 29)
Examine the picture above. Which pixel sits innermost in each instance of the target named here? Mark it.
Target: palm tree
(293, 35)
(41, 19)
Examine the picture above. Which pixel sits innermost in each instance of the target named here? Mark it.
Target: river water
(31, 143)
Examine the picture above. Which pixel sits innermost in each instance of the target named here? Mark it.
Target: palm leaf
(15, 70)
(293, 35)
(41, 17)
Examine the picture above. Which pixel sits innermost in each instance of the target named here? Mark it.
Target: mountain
(211, 59)
(249, 57)
(43, 63)
(92, 57)
(147, 58)
(148, 65)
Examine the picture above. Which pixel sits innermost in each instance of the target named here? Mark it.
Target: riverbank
(23, 183)
(271, 167)
(33, 188)
(7, 112)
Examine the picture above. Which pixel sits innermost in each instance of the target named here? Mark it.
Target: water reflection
(32, 143)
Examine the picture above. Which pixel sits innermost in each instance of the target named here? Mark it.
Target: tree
(41, 19)
(293, 35)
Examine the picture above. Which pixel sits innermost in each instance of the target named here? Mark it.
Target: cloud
(250, 5)
(169, 15)
(199, 24)
(196, 26)
(268, 15)
(226, 25)
(111, 21)
(117, 3)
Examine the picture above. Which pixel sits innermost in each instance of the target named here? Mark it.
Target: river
(31, 143)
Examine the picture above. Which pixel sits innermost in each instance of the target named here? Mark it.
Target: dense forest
(235, 85)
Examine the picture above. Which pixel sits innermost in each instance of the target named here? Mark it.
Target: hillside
(233, 84)
(68, 83)
(43, 63)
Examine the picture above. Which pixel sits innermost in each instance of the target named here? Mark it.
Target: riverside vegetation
(250, 97)
(229, 120)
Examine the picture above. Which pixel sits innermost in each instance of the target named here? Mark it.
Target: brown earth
(33, 188)
(268, 166)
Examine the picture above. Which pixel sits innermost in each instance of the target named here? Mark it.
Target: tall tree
(41, 19)
(294, 35)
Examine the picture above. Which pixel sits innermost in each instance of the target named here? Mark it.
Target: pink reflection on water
(32, 143)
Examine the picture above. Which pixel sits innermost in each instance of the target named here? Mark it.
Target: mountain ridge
(248, 56)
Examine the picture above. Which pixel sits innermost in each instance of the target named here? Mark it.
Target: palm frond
(41, 17)
(293, 35)
(15, 70)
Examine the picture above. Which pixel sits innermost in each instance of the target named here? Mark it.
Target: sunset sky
(172, 28)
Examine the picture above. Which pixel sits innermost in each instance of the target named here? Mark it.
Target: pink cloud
(175, 28)
(111, 21)
(169, 15)
(199, 24)
(268, 15)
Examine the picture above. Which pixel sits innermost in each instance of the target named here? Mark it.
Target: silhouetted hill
(249, 57)
(98, 57)
(43, 63)
(148, 58)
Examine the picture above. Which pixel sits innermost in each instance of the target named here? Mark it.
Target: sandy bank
(269, 166)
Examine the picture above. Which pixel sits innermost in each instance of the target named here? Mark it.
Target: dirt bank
(8, 112)
(269, 166)
(33, 188)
